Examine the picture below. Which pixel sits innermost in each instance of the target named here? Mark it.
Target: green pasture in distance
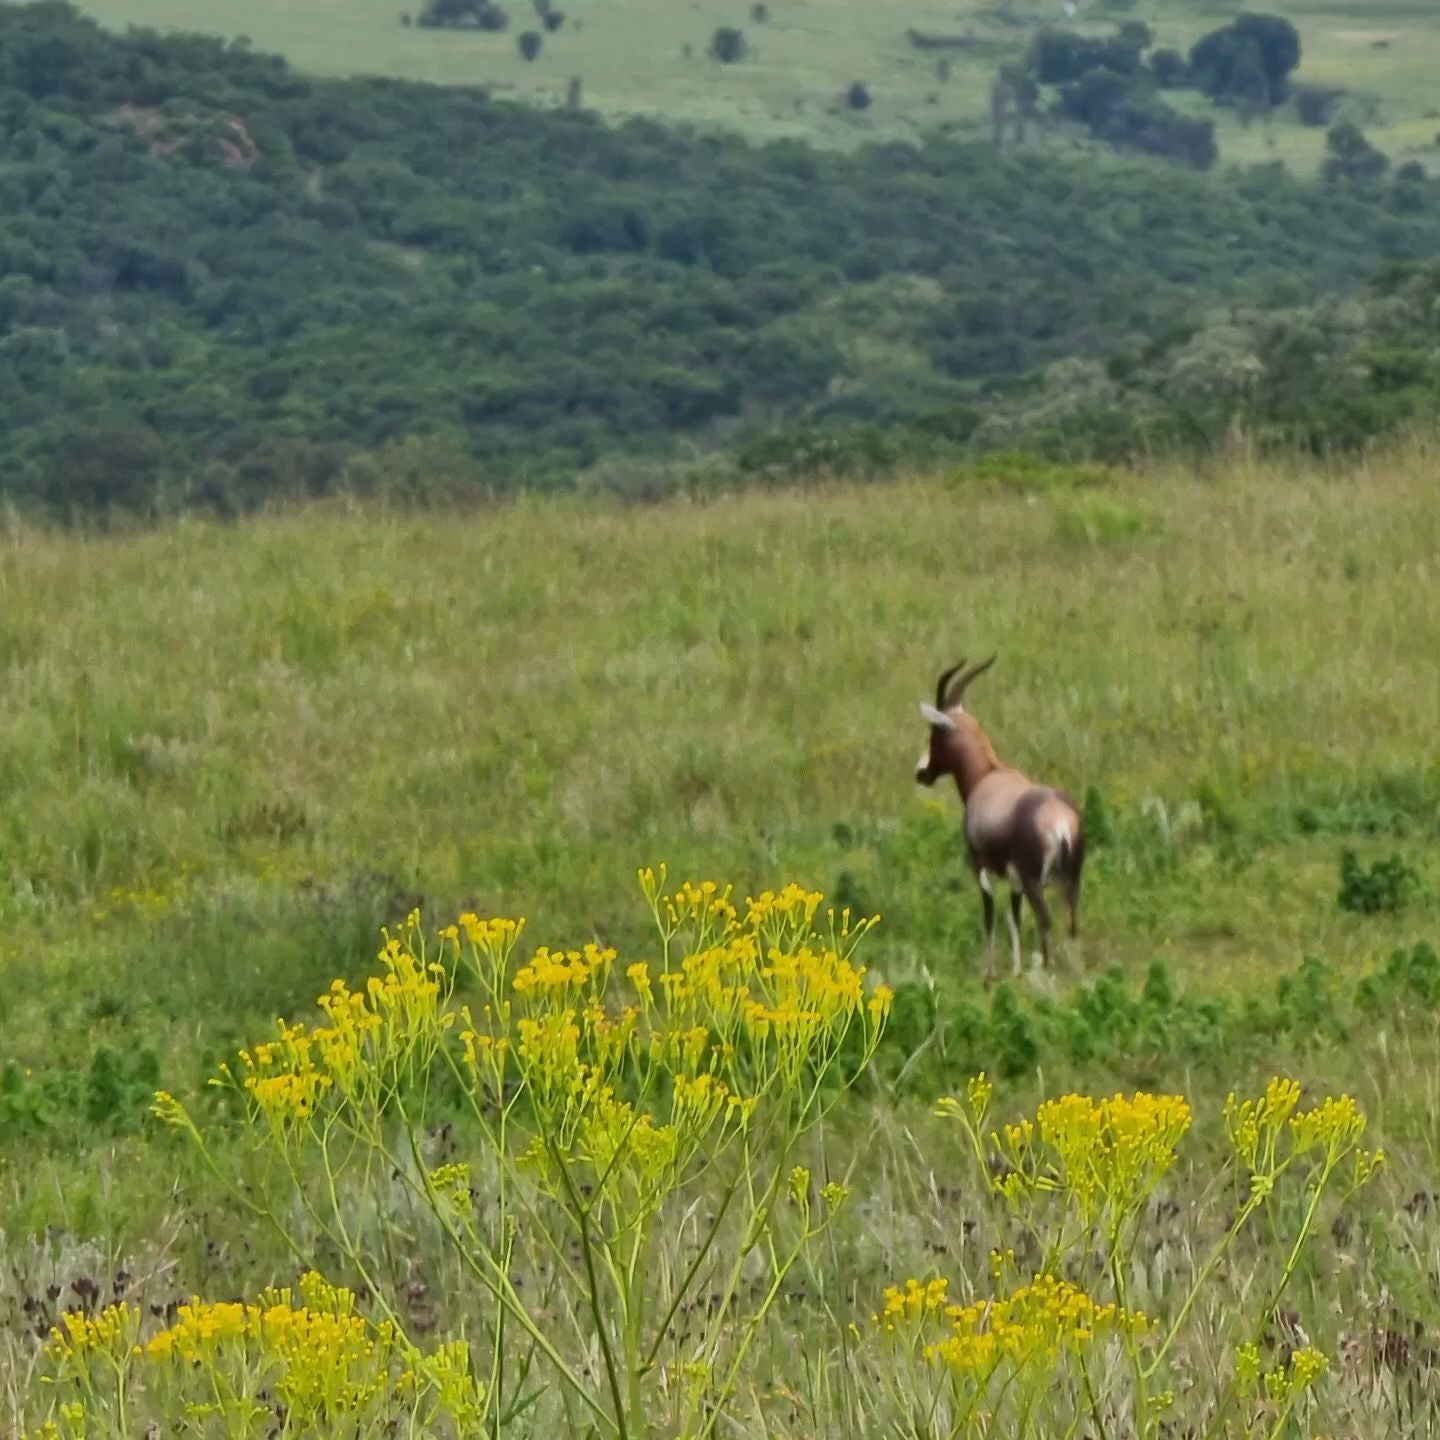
(630, 56)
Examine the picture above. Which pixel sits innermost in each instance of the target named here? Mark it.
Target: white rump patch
(1062, 833)
(936, 717)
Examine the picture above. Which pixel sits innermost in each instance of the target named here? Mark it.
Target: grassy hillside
(205, 730)
(630, 56)
(227, 281)
(230, 753)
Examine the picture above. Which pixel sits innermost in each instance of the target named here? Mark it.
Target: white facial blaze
(936, 717)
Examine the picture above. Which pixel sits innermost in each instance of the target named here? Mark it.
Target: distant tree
(727, 45)
(530, 44)
(1249, 84)
(1169, 69)
(481, 14)
(598, 228)
(1135, 34)
(759, 12)
(120, 467)
(1058, 57)
(1351, 156)
(942, 70)
(1093, 97)
(1226, 62)
(857, 97)
(1111, 108)
(1410, 193)
(574, 93)
(553, 20)
(407, 19)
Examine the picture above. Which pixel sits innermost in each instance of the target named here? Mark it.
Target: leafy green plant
(1409, 979)
(110, 1096)
(1384, 885)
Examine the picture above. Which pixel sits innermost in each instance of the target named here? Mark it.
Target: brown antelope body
(1029, 835)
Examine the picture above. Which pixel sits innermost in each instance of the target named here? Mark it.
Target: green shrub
(1385, 885)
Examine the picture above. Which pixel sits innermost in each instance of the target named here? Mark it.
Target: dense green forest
(221, 280)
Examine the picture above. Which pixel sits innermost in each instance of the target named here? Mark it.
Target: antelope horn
(963, 683)
(943, 683)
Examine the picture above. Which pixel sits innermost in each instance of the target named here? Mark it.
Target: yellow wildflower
(112, 1331)
(1035, 1323)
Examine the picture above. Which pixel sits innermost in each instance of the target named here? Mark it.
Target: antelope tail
(1058, 851)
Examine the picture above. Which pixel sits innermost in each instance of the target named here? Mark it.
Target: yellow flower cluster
(328, 1354)
(457, 1393)
(1259, 1129)
(705, 903)
(912, 1302)
(1284, 1383)
(740, 1004)
(320, 1358)
(375, 1038)
(793, 906)
(698, 1101)
(556, 971)
(549, 1052)
(452, 1184)
(704, 909)
(111, 1332)
(1105, 1154)
(1306, 1366)
(1034, 1324)
(1334, 1124)
(764, 997)
(493, 936)
(288, 1094)
(627, 1149)
(1254, 1127)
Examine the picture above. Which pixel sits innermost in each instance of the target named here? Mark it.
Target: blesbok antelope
(1029, 835)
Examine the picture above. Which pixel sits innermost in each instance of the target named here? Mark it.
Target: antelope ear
(936, 717)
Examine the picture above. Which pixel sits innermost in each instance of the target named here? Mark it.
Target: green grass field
(630, 56)
(228, 753)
